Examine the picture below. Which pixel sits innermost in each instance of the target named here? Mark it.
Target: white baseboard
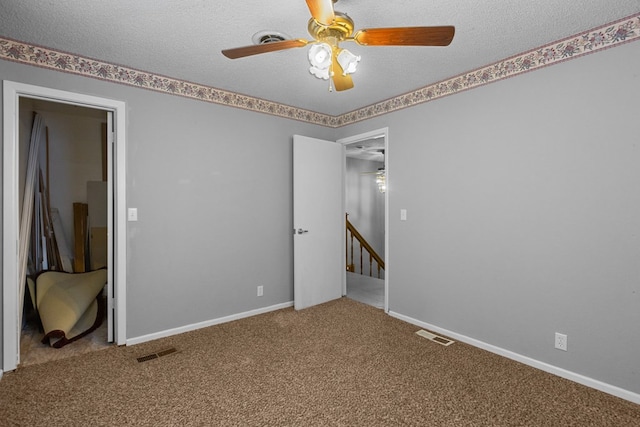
(0, 374)
(194, 326)
(572, 376)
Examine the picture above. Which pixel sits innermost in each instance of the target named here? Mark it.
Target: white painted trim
(0, 374)
(572, 376)
(10, 220)
(12, 91)
(120, 224)
(361, 137)
(207, 323)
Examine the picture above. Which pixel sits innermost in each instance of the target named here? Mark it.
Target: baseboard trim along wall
(207, 323)
(572, 376)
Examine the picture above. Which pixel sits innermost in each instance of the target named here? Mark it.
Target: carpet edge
(194, 326)
(551, 369)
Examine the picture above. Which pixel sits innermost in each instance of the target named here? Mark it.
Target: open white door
(318, 221)
(110, 234)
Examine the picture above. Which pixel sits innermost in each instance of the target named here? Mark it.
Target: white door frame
(12, 92)
(361, 137)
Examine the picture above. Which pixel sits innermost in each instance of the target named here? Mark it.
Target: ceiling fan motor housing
(340, 29)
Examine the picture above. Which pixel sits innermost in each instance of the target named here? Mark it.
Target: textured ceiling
(183, 40)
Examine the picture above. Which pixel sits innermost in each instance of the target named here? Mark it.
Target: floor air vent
(156, 355)
(434, 337)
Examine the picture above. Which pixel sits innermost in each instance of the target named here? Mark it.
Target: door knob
(301, 231)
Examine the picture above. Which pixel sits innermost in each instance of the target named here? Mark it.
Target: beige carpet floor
(339, 364)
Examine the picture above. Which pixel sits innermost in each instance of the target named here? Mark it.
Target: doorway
(366, 201)
(114, 115)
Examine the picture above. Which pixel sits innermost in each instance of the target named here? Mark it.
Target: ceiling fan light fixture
(320, 55)
(348, 61)
(320, 60)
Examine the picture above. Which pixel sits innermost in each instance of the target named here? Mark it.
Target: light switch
(132, 214)
(403, 214)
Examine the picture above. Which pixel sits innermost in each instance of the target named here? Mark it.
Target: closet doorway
(83, 161)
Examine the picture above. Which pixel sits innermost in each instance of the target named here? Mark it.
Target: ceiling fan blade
(241, 52)
(406, 36)
(340, 82)
(322, 11)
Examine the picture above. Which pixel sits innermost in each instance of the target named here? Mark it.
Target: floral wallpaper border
(616, 33)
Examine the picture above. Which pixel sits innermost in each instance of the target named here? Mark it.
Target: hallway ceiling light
(381, 180)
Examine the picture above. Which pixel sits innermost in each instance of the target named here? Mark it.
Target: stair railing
(351, 234)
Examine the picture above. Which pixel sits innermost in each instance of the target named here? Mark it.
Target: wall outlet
(561, 341)
(260, 291)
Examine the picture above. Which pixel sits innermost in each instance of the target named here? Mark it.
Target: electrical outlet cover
(561, 341)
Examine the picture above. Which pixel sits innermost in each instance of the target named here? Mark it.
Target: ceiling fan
(329, 28)
(381, 178)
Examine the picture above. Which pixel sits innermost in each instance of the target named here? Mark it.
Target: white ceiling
(183, 40)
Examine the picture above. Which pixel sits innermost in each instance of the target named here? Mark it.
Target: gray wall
(523, 205)
(213, 188)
